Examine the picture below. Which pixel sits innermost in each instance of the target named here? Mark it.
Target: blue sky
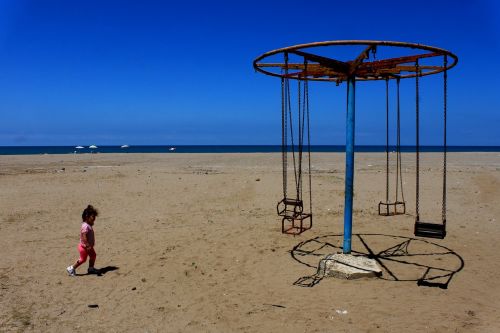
(180, 72)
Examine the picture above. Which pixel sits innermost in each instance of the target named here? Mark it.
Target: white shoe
(71, 271)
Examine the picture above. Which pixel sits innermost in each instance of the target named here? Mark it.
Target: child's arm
(85, 241)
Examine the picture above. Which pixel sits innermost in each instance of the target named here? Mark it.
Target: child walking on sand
(87, 241)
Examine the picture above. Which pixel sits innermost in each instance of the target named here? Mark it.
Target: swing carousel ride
(350, 61)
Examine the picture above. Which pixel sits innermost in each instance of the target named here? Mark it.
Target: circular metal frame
(318, 68)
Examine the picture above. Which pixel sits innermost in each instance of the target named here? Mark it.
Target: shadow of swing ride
(405, 259)
(372, 61)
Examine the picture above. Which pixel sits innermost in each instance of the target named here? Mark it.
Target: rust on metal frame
(320, 68)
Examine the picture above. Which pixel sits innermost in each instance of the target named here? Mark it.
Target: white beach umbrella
(124, 146)
(79, 147)
(93, 147)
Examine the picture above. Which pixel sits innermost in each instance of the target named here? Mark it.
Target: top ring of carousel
(362, 60)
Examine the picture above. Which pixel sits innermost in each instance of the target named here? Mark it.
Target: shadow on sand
(104, 270)
(401, 258)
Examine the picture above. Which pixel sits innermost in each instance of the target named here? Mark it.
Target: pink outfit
(87, 229)
(84, 253)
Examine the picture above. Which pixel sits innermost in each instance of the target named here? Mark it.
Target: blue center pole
(349, 165)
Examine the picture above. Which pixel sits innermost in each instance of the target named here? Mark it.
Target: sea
(176, 149)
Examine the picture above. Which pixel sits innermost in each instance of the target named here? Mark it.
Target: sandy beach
(192, 243)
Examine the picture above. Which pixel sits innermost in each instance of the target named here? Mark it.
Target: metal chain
(445, 79)
(399, 169)
(417, 146)
(302, 114)
(283, 136)
(297, 162)
(387, 140)
(306, 90)
(286, 98)
(292, 144)
(301, 137)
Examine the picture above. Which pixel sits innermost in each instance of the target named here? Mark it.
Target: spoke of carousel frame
(314, 70)
(310, 73)
(412, 68)
(336, 65)
(394, 70)
(362, 56)
(290, 65)
(393, 62)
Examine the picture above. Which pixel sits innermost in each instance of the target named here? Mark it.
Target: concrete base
(348, 266)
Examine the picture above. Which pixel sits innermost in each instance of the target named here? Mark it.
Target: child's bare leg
(92, 256)
(76, 264)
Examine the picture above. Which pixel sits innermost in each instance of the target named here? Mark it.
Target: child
(87, 241)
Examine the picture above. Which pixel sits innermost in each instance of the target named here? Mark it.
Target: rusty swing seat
(292, 211)
(294, 225)
(395, 211)
(288, 207)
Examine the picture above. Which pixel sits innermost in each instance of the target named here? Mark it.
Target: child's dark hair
(89, 211)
